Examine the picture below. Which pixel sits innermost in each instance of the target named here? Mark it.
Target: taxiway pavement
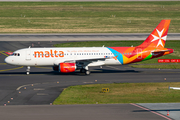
(77, 112)
(43, 85)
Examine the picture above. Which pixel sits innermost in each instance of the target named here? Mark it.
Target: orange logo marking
(48, 54)
(115, 57)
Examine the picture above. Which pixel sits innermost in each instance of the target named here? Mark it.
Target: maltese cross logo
(159, 37)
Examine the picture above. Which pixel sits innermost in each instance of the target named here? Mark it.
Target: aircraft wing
(88, 59)
(85, 60)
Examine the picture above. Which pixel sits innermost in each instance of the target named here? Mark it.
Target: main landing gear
(87, 72)
(28, 70)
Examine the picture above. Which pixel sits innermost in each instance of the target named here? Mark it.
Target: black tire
(83, 71)
(87, 72)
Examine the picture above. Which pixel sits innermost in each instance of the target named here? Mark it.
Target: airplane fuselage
(54, 56)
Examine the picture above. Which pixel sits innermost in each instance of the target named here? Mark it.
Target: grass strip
(87, 17)
(120, 93)
(159, 66)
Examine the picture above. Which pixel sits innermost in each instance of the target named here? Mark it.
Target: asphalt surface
(43, 85)
(77, 112)
(81, 37)
(173, 109)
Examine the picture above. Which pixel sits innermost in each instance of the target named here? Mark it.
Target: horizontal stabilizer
(160, 51)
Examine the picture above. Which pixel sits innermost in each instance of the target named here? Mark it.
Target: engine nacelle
(67, 67)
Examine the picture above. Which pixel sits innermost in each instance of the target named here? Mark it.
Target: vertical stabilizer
(158, 36)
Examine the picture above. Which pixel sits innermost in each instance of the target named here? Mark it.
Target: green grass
(87, 17)
(159, 66)
(119, 93)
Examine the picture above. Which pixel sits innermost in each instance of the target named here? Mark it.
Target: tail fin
(158, 36)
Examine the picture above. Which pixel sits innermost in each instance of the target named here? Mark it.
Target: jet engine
(65, 67)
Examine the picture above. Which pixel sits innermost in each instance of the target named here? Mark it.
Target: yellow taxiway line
(43, 67)
(2, 52)
(3, 63)
(11, 69)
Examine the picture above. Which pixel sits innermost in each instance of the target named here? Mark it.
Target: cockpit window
(15, 54)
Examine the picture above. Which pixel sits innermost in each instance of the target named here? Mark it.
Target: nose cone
(7, 60)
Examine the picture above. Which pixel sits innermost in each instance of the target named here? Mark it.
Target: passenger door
(28, 55)
(139, 51)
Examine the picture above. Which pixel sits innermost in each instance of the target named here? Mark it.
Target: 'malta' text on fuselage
(48, 54)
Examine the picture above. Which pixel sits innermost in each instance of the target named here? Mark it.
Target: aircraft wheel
(28, 70)
(82, 70)
(87, 72)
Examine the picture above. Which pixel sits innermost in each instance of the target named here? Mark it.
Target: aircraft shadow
(95, 71)
(114, 71)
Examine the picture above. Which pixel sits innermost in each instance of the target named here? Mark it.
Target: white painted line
(27, 85)
(33, 85)
(23, 86)
(151, 111)
(39, 89)
(42, 94)
(88, 82)
(174, 88)
(47, 82)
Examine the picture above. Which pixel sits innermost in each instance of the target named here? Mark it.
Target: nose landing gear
(28, 70)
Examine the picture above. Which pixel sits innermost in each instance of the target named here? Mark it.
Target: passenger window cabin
(15, 54)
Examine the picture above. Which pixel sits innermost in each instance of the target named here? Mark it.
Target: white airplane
(69, 59)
